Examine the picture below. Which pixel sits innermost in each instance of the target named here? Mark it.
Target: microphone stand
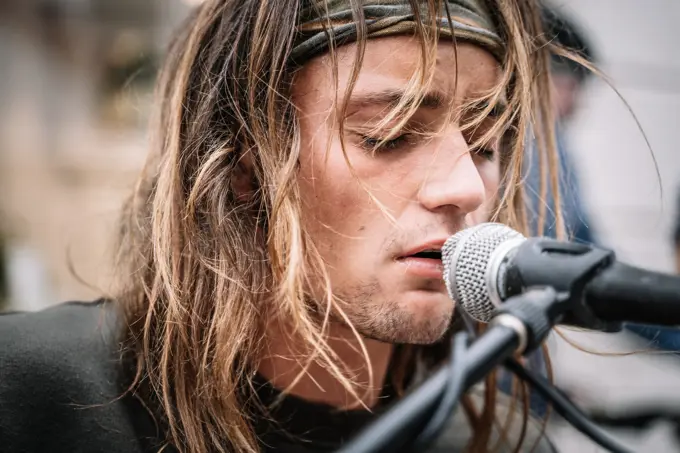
(522, 326)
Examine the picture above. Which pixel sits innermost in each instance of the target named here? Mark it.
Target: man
(281, 255)
(568, 82)
(666, 338)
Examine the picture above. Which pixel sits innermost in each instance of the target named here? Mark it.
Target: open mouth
(424, 261)
(428, 254)
(424, 264)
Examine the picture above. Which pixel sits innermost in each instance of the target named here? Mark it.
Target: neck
(281, 365)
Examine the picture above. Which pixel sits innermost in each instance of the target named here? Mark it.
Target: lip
(424, 267)
(436, 244)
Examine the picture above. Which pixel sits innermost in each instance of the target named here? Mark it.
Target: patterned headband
(471, 22)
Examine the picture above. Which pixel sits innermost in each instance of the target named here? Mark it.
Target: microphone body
(627, 293)
(487, 264)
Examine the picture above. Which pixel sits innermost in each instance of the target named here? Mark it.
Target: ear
(243, 179)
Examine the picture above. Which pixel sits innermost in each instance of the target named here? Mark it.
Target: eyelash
(486, 153)
(371, 143)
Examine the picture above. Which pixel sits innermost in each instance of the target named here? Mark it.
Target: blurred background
(75, 91)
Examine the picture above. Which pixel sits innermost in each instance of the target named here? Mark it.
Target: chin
(429, 321)
(419, 317)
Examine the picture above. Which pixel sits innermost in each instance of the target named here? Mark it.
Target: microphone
(489, 263)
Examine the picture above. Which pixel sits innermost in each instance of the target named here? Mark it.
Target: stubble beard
(379, 318)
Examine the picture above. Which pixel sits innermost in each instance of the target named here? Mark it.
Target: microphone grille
(465, 257)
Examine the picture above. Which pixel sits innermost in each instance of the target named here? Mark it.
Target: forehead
(390, 62)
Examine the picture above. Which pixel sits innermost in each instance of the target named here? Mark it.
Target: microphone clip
(575, 264)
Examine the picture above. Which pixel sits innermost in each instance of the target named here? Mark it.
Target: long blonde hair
(202, 270)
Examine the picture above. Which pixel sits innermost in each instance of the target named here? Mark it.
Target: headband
(471, 21)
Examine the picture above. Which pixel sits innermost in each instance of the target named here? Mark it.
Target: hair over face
(212, 245)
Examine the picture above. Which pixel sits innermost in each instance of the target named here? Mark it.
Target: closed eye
(380, 144)
(485, 152)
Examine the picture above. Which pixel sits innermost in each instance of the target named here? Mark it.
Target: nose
(452, 179)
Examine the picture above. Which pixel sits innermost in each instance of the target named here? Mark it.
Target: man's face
(427, 180)
(566, 90)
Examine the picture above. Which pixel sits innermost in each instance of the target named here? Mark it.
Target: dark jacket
(62, 390)
(60, 384)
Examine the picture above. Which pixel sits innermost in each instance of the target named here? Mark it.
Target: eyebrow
(390, 98)
(496, 111)
(432, 100)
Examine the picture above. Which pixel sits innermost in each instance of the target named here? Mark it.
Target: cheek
(490, 173)
(331, 197)
(491, 177)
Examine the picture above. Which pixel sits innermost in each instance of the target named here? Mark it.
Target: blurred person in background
(280, 258)
(568, 81)
(666, 338)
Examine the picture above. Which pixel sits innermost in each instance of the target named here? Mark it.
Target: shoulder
(67, 337)
(60, 380)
